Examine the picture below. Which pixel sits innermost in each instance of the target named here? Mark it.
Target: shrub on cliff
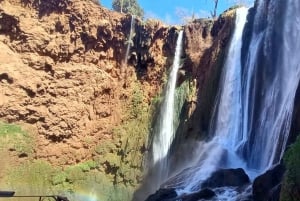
(128, 6)
(291, 183)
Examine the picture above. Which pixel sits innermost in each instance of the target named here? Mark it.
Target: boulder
(226, 177)
(267, 186)
(202, 194)
(163, 194)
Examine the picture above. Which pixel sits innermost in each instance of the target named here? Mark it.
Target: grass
(10, 129)
(14, 138)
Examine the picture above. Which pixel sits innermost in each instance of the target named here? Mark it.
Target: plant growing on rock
(214, 12)
(290, 187)
(128, 6)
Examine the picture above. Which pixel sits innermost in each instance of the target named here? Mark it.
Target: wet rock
(267, 186)
(226, 177)
(163, 194)
(202, 194)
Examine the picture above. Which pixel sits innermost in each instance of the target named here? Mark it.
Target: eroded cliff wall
(63, 74)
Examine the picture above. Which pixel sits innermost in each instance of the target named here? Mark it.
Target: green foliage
(182, 94)
(291, 183)
(130, 139)
(156, 100)
(13, 137)
(41, 178)
(31, 178)
(10, 129)
(128, 6)
(112, 173)
(137, 106)
(59, 178)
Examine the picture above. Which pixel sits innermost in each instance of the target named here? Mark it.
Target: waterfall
(252, 115)
(271, 76)
(129, 42)
(254, 105)
(165, 127)
(225, 126)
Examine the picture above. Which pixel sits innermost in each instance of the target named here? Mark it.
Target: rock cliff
(63, 71)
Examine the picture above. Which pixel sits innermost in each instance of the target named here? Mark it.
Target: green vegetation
(291, 183)
(40, 178)
(183, 94)
(111, 175)
(132, 135)
(13, 138)
(122, 157)
(128, 6)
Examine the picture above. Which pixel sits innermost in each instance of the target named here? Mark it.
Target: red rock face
(60, 70)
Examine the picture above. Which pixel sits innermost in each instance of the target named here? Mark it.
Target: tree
(128, 6)
(214, 12)
(237, 2)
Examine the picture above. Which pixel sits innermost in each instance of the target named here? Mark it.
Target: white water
(252, 115)
(164, 138)
(129, 41)
(226, 122)
(221, 150)
(271, 83)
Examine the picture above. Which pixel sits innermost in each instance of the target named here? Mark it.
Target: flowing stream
(165, 128)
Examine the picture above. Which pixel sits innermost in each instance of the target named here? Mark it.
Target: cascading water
(226, 124)
(226, 121)
(271, 79)
(165, 128)
(129, 41)
(254, 105)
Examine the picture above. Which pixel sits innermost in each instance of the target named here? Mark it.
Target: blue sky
(172, 11)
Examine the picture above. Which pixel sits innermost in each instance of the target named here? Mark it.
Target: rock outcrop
(226, 177)
(266, 187)
(205, 48)
(61, 71)
(204, 51)
(171, 195)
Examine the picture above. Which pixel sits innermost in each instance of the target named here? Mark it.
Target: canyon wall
(63, 74)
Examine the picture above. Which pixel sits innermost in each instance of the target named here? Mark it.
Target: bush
(128, 6)
(14, 138)
(291, 183)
